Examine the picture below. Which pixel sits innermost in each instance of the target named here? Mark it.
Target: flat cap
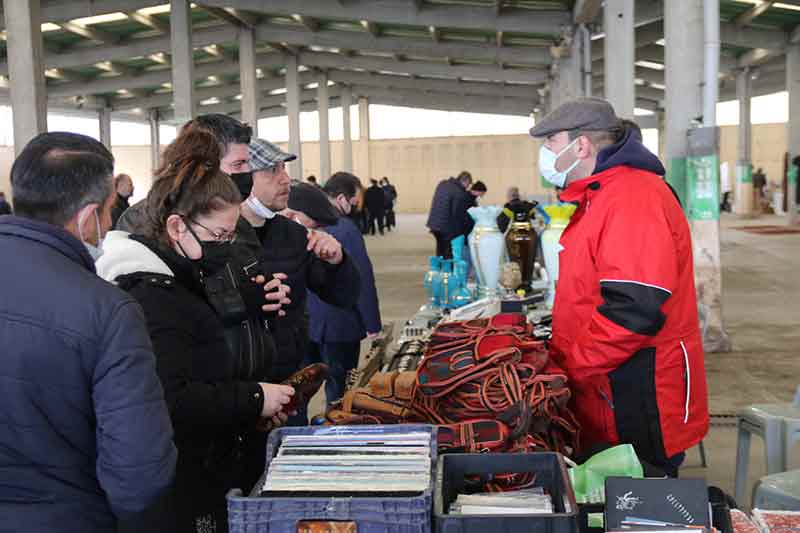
(265, 155)
(587, 114)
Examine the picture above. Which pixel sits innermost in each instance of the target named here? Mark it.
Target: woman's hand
(275, 292)
(275, 397)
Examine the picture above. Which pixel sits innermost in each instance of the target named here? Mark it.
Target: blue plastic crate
(255, 514)
(551, 473)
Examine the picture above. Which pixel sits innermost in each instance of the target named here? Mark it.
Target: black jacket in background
(284, 244)
(448, 215)
(119, 207)
(5, 207)
(375, 200)
(210, 404)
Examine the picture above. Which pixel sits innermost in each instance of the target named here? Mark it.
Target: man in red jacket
(625, 324)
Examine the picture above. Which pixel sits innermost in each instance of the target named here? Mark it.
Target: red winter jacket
(625, 325)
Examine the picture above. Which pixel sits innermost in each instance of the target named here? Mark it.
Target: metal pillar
(104, 117)
(324, 130)
(364, 161)
(180, 20)
(293, 110)
(620, 53)
(695, 178)
(346, 97)
(26, 70)
(586, 58)
(744, 167)
(793, 126)
(248, 80)
(711, 63)
(155, 139)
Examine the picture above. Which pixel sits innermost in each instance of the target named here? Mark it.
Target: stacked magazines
(363, 464)
(527, 501)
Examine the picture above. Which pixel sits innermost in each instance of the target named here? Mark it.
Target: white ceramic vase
(487, 247)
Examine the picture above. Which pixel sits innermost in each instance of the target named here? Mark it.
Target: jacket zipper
(688, 383)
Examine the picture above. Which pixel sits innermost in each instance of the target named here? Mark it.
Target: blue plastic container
(370, 514)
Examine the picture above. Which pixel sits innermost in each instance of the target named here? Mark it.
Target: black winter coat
(284, 244)
(210, 404)
(448, 214)
(375, 200)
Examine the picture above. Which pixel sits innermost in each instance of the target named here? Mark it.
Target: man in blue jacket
(448, 217)
(336, 333)
(85, 436)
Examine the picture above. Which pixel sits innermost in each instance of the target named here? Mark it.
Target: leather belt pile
(488, 384)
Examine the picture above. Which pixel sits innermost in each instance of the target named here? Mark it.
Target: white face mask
(95, 251)
(259, 209)
(547, 165)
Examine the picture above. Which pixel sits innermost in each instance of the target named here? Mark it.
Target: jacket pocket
(633, 386)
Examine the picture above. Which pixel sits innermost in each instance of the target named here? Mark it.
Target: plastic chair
(778, 491)
(778, 425)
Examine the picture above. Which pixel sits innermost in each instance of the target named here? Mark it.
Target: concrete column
(26, 70)
(620, 53)
(180, 21)
(744, 167)
(247, 77)
(155, 139)
(324, 130)
(586, 59)
(793, 126)
(346, 96)
(684, 80)
(104, 117)
(364, 168)
(293, 110)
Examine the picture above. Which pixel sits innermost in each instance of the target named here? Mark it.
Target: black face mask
(244, 181)
(215, 256)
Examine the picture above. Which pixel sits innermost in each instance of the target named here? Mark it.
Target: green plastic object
(588, 480)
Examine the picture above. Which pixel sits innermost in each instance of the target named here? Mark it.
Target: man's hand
(276, 292)
(275, 397)
(325, 247)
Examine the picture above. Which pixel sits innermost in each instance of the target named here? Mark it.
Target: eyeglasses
(219, 237)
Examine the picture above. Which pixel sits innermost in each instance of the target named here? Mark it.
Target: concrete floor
(761, 307)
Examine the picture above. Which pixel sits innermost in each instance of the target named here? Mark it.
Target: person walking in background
(448, 216)
(123, 184)
(336, 334)
(390, 195)
(86, 439)
(5, 207)
(312, 179)
(375, 202)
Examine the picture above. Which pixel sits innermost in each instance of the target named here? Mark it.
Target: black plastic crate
(256, 514)
(551, 473)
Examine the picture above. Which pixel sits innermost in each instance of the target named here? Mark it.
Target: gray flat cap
(588, 114)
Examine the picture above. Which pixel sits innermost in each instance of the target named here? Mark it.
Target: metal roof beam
(731, 34)
(446, 102)
(219, 91)
(230, 16)
(87, 32)
(396, 13)
(138, 47)
(757, 10)
(423, 68)
(149, 21)
(159, 77)
(387, 81)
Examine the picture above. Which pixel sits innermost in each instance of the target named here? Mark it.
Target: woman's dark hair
(464, 177)
(59, 173)
(342, 183)
(189, 182)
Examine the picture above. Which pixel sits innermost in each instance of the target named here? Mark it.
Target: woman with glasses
(192, 210)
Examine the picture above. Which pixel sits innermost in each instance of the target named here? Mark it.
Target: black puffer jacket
(212, 406)
(284, 243)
